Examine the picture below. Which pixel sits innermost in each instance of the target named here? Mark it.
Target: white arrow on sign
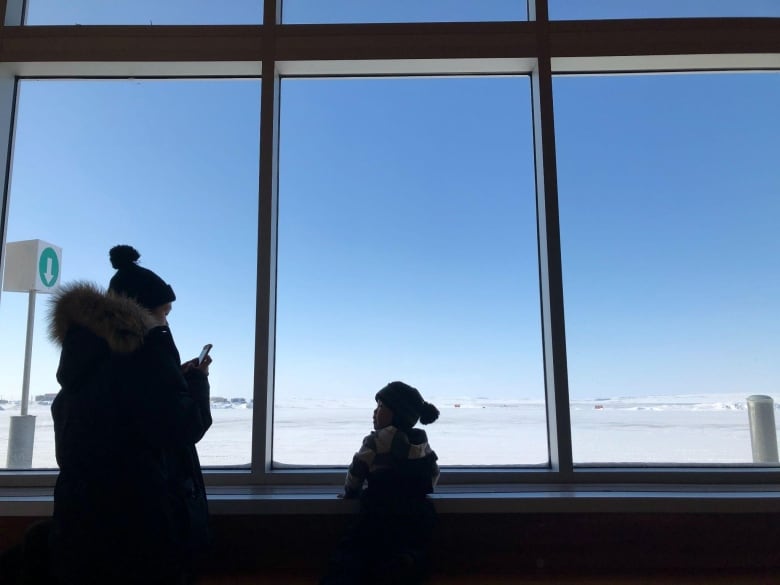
(49, 275)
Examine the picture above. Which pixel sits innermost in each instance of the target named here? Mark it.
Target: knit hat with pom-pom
(135, 282)
(407, 405)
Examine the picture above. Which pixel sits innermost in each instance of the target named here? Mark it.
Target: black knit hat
(407, 405)
(135, 282)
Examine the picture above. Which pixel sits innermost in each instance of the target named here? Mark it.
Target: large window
(669, 209)
(407, 250)
(562, 231)
(170, 167)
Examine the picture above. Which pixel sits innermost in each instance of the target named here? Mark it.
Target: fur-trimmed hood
(120, 321)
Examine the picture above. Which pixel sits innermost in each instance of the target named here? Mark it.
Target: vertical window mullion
(13, 12)
(8, 92)
(551, 280)
(272, 13)
(265, 329)
(262, 423)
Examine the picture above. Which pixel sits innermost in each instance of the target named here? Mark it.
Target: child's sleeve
(435, 471)
(360, 466)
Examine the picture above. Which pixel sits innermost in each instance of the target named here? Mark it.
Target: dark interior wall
(477, 542)
(505, 543)
(609, 541)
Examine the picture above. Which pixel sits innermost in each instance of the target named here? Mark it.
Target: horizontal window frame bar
(457, 67)
(413, 49)
(621, 477)
(663, 64)
(470, 499)
(132, 43)
(480, 40)
(681, 36)
(131, 70)
(645, 65)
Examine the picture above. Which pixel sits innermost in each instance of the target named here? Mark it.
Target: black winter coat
(129, 503)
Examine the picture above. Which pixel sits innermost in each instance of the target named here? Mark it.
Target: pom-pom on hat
(407, 405)
(136, 282)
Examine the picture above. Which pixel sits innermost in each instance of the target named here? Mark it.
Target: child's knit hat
(138, 283)
(407, 405)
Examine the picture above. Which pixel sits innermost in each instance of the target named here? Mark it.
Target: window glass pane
(671, 254)
(407, 251)
(611, 9)
(170, 167)
(57, 12)
(353, 11)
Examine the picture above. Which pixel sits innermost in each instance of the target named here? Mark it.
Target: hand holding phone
(204, 353)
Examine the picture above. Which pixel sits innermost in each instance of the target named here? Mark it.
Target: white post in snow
(21, 439)
(763, 436)
(28, 352)
(21, 434)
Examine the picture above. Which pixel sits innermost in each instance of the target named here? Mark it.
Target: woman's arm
(171, 408)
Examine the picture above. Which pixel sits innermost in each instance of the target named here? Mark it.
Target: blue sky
(596, 9)
(407, 229)
(169, 167)
(410, 236)
(670, 201)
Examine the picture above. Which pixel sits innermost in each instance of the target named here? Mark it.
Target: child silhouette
(392, 473)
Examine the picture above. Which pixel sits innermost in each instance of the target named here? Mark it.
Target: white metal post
(21, 434)
(763, 436)
(28, 351)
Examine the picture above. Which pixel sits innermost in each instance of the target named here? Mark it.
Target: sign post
(31, 266)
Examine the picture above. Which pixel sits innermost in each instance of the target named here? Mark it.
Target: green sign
(48, 267)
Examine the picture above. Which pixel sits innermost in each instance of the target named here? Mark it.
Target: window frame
(538, 48)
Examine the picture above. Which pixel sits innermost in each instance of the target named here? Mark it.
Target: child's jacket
(393, 463)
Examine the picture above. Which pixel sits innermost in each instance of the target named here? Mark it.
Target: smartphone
(204, 353)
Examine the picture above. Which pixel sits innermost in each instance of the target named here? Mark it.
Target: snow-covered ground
(691, 429)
